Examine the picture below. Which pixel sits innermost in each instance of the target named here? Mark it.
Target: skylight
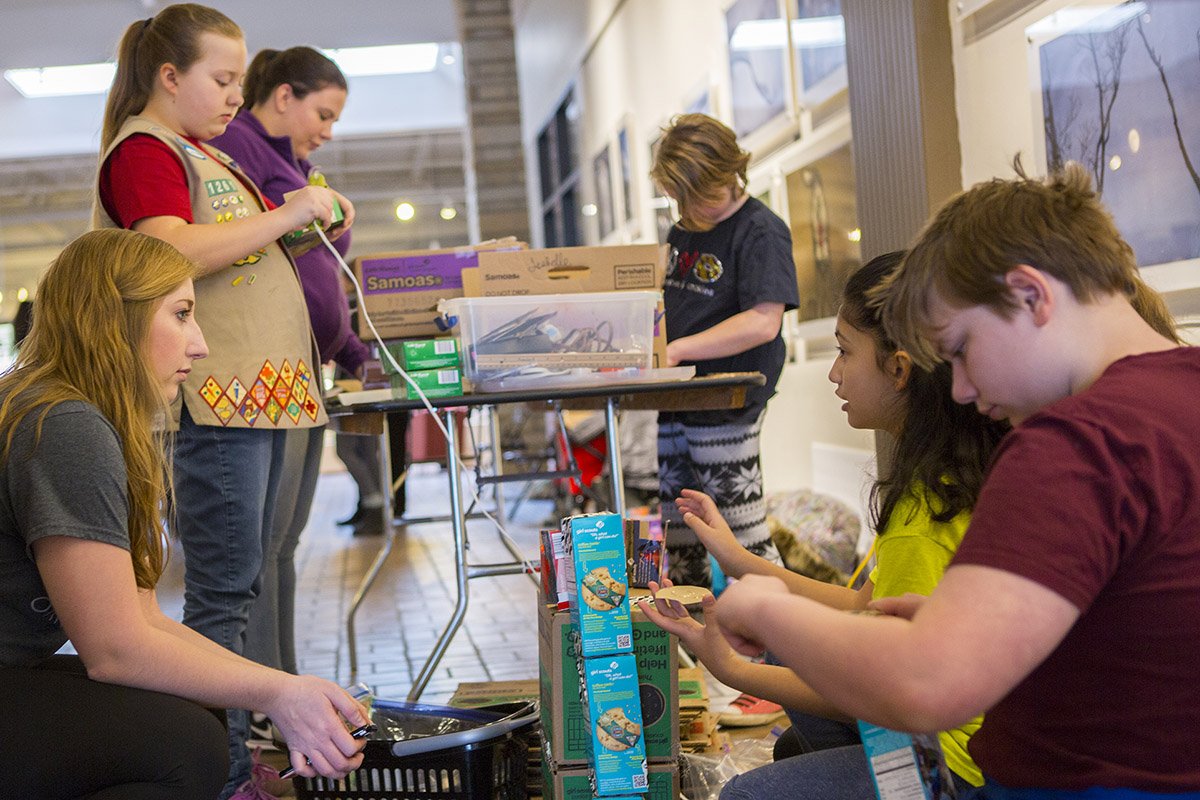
(78, 79)
(391, 59)
(62, 81)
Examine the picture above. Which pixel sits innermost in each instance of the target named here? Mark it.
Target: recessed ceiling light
(405, 211)
(389, 59)
(62, 81)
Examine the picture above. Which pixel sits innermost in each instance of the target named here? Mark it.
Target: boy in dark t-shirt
(730, 278)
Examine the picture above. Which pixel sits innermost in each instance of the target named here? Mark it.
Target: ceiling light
(855, 235)
(62, 81)
(22, 294)
(390, 59)
(589, 210)
(405, 211)
(448, 213)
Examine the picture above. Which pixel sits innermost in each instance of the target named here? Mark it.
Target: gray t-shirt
(72, 483)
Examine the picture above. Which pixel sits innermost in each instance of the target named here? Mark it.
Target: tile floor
(413, 596)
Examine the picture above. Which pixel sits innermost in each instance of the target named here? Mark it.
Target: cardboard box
(413, 354)
(491, 693)
(644, 544)
(567, 270)
(598, 583)
(571, 783)
(570, 270)
(563, 726)
(401, 290)
(613, 712)
(433, 382)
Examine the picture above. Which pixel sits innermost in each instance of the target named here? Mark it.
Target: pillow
(815, 533)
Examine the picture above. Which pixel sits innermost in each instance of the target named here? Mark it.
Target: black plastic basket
(486, 758)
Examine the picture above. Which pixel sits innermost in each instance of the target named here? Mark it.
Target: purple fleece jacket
(269, 162)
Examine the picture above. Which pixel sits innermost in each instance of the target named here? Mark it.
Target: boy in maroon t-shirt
(1071, 613)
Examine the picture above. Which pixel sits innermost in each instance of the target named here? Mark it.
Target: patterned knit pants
(721, 461)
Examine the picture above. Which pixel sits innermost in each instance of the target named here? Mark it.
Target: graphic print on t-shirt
(704, 267)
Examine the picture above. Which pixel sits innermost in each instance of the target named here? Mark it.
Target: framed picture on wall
(759, 79)
(628, 196)
(602, 172)
(1118, 90)
(823, 219)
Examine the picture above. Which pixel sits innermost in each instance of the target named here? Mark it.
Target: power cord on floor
(527, 563)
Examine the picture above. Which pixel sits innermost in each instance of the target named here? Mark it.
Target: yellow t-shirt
(910, 556)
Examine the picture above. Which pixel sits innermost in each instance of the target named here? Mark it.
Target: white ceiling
(399, 138)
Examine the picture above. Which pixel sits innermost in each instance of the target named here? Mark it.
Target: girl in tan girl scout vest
(177, 86)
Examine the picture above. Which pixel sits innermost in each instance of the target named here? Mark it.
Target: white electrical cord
(528, 564)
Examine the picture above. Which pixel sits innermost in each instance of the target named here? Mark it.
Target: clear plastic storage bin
(531, 335)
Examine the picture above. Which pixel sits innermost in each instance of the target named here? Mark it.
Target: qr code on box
(640, 781)
(624, 640)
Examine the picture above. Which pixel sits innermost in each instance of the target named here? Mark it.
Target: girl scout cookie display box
(564, 727)
(401, 290)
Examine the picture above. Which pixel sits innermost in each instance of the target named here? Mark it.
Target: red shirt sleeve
(143, 178)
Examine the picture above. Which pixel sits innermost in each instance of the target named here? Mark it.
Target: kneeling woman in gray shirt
(82, 489)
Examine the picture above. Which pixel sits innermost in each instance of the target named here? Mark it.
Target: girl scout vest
(261, 370)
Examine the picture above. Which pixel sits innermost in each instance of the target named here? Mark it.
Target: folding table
(722, 391)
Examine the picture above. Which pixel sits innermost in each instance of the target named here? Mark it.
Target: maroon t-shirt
(1097, 498)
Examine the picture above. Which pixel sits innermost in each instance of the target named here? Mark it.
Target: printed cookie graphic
(617, 732)
(602, 591)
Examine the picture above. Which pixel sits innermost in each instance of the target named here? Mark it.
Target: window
(558, 163)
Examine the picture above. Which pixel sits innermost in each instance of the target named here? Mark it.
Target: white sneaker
(263, 732)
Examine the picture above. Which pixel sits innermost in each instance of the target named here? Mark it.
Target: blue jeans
(992, 791)
(839, 773)
(226, 487)
(271, 628)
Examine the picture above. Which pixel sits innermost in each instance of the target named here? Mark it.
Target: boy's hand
(904, 606)
(739, 607)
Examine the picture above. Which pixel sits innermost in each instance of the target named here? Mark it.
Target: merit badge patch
(211, 391)
(273, 410)
(260, 393)
(235, 391)
(292, 409)
(311, 408)
(267, 374)
(250, 411)
(224, 409)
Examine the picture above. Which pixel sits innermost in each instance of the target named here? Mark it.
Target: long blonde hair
(87, 343)
(172, 36)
